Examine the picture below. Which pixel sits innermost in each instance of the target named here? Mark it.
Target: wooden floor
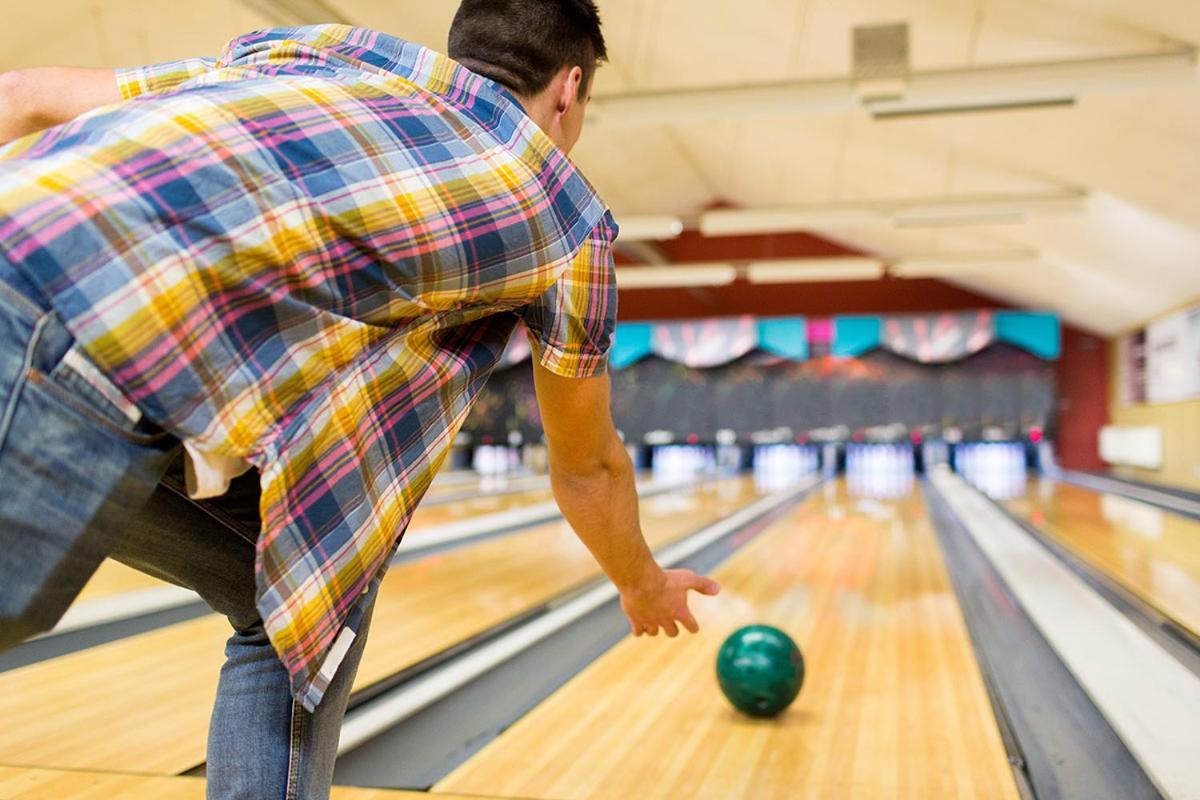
(893, 706)
(18, 783)
(142, 704)
(1151, 552)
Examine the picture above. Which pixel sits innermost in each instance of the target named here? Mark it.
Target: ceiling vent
(881, 61)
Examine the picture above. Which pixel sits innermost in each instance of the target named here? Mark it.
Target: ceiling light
(649, 227)
(675, 275)
(815, 269)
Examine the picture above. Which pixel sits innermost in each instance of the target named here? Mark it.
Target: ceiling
(1130, 252)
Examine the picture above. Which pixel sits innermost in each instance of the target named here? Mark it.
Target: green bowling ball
(760, 670)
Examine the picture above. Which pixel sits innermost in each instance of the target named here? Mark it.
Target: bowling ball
(760, 670)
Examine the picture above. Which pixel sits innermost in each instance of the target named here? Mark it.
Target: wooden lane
(1153, 553)
(142, 704)
(17, 783)
(893, 705)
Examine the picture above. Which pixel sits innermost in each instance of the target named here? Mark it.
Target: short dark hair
(522, 44)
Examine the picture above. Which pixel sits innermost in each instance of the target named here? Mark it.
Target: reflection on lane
(1152, 553)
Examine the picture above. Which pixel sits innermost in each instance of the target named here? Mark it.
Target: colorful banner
(924, 338)
(950, 336)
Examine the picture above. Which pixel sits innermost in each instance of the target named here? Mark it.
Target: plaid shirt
(310, 253)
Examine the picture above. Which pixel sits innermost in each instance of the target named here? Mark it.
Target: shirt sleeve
(571, 325)
(136, 81)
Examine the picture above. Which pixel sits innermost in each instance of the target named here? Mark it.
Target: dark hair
(521, 44)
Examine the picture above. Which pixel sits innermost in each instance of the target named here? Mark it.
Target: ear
(568, 94)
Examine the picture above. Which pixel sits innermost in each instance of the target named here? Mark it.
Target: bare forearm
(35, 99)
(600, 502)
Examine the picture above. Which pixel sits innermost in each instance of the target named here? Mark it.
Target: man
(304, 256)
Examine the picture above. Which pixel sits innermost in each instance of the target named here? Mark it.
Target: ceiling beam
(912, 212)
(942, 91)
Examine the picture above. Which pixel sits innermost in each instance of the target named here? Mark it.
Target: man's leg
(74, 466)
(261, 743)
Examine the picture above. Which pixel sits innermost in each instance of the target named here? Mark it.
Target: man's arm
(35, 99)
(593, 482)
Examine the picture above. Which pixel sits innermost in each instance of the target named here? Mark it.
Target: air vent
(881, 63)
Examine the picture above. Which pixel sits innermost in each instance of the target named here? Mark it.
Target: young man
(304, 256)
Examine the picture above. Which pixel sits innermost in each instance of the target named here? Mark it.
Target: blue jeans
(81, 480)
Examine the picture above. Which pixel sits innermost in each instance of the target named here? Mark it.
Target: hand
(660, 599)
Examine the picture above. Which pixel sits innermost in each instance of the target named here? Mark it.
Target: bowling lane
(1153, 553)
(142, 704)
(893, 704)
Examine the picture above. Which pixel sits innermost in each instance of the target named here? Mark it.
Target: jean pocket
(79, 386)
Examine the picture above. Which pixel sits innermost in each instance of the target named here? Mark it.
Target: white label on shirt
(78, 362)
(341, 646)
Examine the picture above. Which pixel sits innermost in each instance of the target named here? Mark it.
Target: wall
(1083, 378)
(1180, 424)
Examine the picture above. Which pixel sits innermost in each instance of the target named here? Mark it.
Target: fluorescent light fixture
(733, 222)
(815, 269)
(675, 276)
(910, 212)
(649, 227)
(942, 91)
(961, 265)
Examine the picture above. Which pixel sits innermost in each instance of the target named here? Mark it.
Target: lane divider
(1163, 500)
(377, 716)
(1150, 699)
(439, 537)
(104, 610)
(512, 485)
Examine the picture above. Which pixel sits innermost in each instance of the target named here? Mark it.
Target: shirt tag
(98, 381)
(337, 652)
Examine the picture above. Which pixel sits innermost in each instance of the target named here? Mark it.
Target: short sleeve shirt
(310, 252)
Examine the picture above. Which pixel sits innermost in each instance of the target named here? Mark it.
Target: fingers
(705, 585)
(689, 621)
(670, 629)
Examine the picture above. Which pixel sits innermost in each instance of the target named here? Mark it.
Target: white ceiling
(1133, 253)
